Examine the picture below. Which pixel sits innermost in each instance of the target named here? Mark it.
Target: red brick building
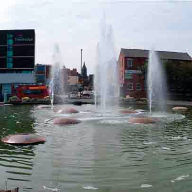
(132, 63)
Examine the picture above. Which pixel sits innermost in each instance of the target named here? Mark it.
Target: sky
(76, 24)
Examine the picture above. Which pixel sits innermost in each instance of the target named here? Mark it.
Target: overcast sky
(75, 25)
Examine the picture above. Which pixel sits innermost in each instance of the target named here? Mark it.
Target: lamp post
(81, 60)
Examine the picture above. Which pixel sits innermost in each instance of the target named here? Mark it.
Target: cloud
(76, 24)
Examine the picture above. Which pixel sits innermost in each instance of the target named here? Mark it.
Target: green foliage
(179, 74)
(14, 98)
(143, 69)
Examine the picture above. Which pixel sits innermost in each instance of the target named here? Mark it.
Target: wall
(132, 75)
(72, 80)
(11, 78)
(121, 64)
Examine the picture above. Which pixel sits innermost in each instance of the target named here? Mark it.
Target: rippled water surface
(102, 153)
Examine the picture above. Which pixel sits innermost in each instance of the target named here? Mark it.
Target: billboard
(25, 36)
(17, 48)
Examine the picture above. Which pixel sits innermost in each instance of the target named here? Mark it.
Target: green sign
(128, 76)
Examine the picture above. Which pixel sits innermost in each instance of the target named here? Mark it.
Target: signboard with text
(133, 71)
(128, 76)
(17, 48)
(25, 36)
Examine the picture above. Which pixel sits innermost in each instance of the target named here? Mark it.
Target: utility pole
(81, 60)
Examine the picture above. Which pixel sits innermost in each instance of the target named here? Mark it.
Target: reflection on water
(16, 162)
(103, 153)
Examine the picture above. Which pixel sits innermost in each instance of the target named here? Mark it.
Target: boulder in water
(128, 111)
(68, 111)
(65, 121)
(11, 190)
(44, 106)
(182, 109)
(143, 120)
(23, 139)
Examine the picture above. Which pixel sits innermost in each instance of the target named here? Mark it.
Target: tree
(179, 75)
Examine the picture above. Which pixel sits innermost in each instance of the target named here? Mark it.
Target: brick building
(132, 69)
(71, 79)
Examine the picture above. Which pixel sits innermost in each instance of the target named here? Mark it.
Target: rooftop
(162, 54)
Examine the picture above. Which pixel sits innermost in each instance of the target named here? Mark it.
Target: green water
(100, 154)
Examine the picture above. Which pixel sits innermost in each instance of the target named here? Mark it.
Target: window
(9, 53)
(10, 48)
(130, 86)
(138, 86)
(22, 62)
(26, 72)
(9, 36)
(129, 63)
(10, 42)
(9, 65)
(10, 59)
(128, 76)
(24, 50)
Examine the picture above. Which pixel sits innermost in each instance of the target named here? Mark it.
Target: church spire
(84, 70)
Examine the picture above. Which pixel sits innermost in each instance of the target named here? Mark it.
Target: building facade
(70, 79)
(73, 80)
(17, 59)
(91, 81)
(132, 64)
(42, 73)
(84, 78)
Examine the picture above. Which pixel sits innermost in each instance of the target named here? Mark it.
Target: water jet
(156, 83)
(57, 79)
(106, 82)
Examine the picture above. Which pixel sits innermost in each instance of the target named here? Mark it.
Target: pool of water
(102, 153)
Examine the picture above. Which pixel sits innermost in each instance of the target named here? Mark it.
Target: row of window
(19, 62)
(131, 86)
(9, 51)
(28, 72)
(17, 50)
(129, 63)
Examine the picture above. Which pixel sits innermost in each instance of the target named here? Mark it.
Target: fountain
(96, 80)
(106, 75)
(57, 90)
(57, 80)
(121, 151)
(156, 83)
(156, 90)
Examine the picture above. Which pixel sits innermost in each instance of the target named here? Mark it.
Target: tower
(84, 71)
(81, 60)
